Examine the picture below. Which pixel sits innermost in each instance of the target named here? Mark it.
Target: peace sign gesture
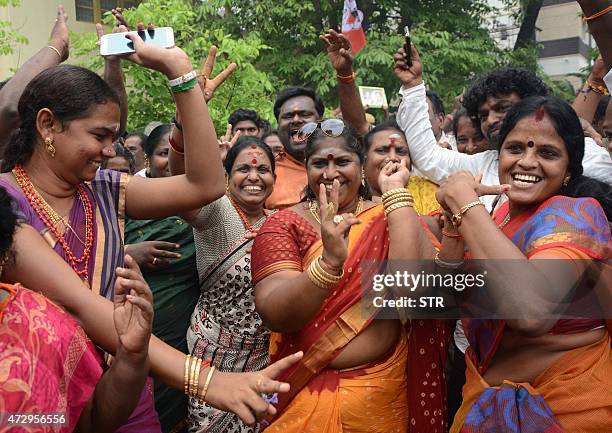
(207, 84)
(226, 142)
(334, 228)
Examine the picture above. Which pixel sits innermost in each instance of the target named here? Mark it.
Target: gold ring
(338, 219)
(154, 261)
(258, 383)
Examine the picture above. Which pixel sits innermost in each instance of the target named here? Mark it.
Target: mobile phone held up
(407, 46)
(115, 44)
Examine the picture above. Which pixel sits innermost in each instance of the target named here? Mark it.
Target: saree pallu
(288, 242)
(424, 194)
(571, 395)
(47, 363)
(175, 294)
(106, 193)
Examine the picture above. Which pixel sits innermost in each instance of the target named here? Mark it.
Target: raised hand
(153, 255)
(462, 188)
(241, 393)
(60, 36)
(172, 62)
(133, 308)
(339, 52)
(393, 175)
(208, 84)
(409, 76)
(334, 234)
(227, 141)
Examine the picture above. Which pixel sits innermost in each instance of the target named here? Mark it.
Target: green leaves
(275, 44)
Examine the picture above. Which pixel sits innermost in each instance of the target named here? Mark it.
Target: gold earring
(147, 165)
(566, 180)
(50, 146)
(363, 176)
(227, 184)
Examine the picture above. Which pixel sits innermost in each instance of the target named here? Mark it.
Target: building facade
(35, 18)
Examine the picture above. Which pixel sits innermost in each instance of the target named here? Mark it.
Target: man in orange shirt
(294, 107)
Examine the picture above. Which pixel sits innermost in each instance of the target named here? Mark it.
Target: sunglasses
(330, 127)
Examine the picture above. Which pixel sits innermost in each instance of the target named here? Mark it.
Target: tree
(275, 43)
(9, 37)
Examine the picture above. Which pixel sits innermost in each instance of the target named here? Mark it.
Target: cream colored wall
(559, 22)
(34, 19)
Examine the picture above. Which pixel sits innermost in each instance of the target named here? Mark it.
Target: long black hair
(566, 123)
(8, 224)
(351, 144)
(70, 92)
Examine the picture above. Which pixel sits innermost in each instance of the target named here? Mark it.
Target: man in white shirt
(493, 95)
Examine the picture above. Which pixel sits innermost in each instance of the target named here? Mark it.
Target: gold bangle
(598, 88)
(396, 206)
(320, 277)
(394, 191)
(398, 200)
(196, 378)
(187, 363)
(207, 383)
(404, 196)
(194, 362)
(56, 50)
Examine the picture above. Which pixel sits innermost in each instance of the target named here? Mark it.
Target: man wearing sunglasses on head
(297, 106)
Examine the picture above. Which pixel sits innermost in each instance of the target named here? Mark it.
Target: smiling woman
(225, 326)
(68, 117)
(554, 228)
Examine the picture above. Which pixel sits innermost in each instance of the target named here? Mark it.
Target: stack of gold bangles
(320, 277)
(397, 198)
(193, 366)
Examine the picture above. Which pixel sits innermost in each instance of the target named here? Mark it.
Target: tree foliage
(276, 43)
(9, 37)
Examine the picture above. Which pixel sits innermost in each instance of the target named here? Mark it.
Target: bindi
(539, 114)
(530, 143)
(393, 138)
(330, 156)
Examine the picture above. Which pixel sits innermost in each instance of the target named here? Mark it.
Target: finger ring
(258, 383)
(330, 208)
(338, 219)
(154, 261)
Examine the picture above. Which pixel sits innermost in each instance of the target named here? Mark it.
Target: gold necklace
(313, 205)
(505, 221)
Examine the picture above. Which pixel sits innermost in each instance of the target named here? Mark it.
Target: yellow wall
(34, 19)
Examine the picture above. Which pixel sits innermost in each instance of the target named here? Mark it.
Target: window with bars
(92, 11)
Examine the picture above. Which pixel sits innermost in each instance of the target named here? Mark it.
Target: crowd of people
(171, 280)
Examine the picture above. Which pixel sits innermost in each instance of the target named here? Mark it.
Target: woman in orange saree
(354, 374)
(543, 369)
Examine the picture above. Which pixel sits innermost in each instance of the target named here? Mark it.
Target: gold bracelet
(396, 206)
(394, 191)
(320, 277)
(392, 201)
(207, 383)
(598, 88)
(196, 378)
(56, 50)
(194, 362)
(187, 362)
(458, 217)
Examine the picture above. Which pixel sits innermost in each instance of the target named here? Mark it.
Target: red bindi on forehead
(254, 161)
(539, 114)
(330, 156)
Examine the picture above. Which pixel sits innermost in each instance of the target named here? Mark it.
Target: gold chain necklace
(313, 205)
(505, 221)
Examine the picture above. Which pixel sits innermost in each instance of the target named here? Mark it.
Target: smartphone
(116, 43)
(407, 45)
